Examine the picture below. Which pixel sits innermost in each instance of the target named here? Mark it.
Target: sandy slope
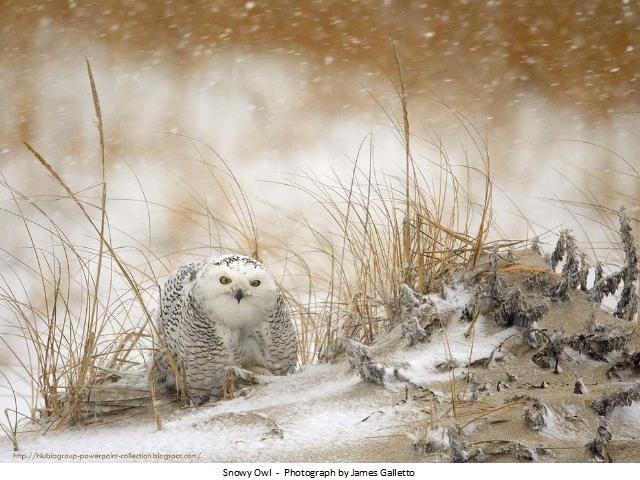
(327, 413)
(317, 414)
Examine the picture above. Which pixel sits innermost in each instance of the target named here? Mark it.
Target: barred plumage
(222, 312)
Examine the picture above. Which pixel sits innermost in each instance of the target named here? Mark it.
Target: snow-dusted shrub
(361, 358)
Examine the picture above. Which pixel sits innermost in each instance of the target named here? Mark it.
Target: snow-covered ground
(321, 412)
(327, 412)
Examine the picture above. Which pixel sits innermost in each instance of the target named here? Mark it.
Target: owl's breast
(247, 346)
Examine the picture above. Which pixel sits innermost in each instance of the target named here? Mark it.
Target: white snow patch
(436, 440)
(581, 358)
(455, 296)
(554, 426)
(421, 363)
(628, 416)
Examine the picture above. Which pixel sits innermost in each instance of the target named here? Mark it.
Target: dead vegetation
(620, 398)
(627, 275)
(629, 365)
(504, 292)
(598, 446)
(361, 358)
(596, 346)
(535, 417)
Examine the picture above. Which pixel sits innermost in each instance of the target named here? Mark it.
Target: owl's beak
(238, 295)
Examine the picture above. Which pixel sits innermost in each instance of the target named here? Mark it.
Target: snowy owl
(222, 312)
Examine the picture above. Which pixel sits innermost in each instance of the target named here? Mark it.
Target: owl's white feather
(222, 312)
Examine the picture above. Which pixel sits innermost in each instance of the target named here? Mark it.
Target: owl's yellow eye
(255, 283)
(225, 280)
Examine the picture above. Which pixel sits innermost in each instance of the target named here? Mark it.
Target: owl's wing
(281, 339)
(173, 292)
(169, 316)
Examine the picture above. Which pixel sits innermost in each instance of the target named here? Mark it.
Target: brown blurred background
(281, 85)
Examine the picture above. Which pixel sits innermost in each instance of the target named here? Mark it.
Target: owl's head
(236, 289)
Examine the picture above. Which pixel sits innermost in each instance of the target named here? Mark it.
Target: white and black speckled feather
(209, 326)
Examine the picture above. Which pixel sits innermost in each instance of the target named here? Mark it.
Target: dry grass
(90, 316)
(418, 228)
(82, 325)
(79, 336)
